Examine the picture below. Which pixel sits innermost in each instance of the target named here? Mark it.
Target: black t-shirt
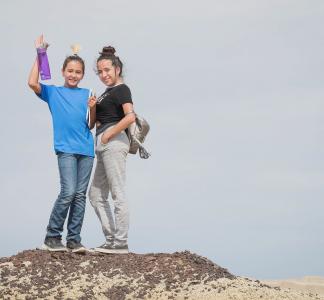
(109, 106)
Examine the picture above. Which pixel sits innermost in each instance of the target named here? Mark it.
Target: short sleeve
(123, 94)
(45, 92)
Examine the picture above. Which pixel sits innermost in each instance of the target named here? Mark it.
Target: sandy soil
(308, 284)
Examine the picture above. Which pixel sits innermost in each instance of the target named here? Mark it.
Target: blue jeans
(75, 171)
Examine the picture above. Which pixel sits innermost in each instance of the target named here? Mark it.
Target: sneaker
(53, 244)
(104, 248)
(75, 247)
(112, 249)
(120, 249)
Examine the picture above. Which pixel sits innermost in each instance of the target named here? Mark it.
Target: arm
(33, 80)
(121, 125)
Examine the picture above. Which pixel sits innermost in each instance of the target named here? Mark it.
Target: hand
(92, 102)
(40, 42)
(105, 138)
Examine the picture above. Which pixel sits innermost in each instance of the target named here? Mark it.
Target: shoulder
(85, 90)
(47, 86)
(122, 90)
(122, 94)
(46, 90)
(125, 87)
(122, 87)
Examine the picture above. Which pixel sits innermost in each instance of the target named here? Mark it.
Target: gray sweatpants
(110, 176)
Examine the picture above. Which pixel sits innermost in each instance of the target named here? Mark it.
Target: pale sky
(234, 94)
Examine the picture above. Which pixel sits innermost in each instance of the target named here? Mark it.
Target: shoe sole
(91, 250)
(111, 251)
(47, 248)
(79, 250)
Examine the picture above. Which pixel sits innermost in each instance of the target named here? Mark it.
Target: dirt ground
(36, 274)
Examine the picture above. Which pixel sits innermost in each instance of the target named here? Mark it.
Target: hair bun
(109, 50)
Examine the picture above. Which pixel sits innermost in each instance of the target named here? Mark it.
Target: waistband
(103, 127)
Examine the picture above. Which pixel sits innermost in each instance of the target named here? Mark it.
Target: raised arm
(33, 80)
(34, 77)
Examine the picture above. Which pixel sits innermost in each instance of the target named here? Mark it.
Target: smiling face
(108, 73)
(72, 73)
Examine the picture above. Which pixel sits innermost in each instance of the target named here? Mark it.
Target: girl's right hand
(92, 102)
(40, 42)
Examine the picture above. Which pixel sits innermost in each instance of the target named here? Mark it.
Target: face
(72, 74)
(108, 73)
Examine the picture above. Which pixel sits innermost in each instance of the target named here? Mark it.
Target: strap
(130, 112)
(142, 151)
(88, 110)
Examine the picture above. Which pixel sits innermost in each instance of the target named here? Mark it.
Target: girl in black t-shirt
(111, 113)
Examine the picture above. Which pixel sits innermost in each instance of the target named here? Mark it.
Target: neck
(70, 87)
(118, 82)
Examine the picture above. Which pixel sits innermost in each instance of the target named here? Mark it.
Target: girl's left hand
(92, 102)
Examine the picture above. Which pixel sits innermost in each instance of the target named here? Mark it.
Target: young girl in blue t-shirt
(73, 145)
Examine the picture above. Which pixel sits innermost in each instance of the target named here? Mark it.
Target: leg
(114, 158)
(77, 208)
(98, 195)
(68, 178)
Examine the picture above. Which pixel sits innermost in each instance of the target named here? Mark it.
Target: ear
(62, 72)
(118, 71)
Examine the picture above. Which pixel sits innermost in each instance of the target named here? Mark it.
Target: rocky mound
(37, 274)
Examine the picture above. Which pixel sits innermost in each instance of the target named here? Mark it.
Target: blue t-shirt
(68, 107)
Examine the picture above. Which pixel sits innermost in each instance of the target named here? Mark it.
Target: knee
(67, 193)
(92, 196)
(118, 195)
(80, 196)
(119, 200)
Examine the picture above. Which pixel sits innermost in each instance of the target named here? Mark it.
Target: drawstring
(142, 151)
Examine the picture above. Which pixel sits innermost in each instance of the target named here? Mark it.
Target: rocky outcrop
(36, 274)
